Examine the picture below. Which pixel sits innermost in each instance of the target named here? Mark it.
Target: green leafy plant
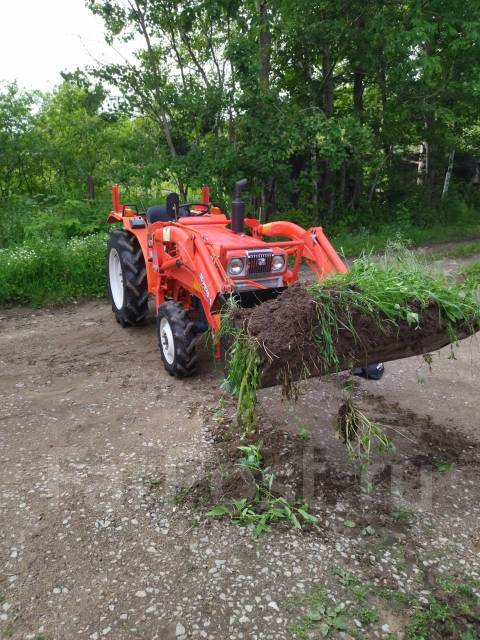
(304, 434)
(264, 508)
(322, 615)
(53, 271)
(347, 578)
(368, 615)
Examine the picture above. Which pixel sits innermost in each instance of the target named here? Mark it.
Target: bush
(27, 219)
(53, 271)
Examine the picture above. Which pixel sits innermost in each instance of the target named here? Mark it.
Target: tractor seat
(158, 213)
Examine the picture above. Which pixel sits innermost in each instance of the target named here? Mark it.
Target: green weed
(304, 434)
(50, 271)
(360, 435)
(264, 508)
(242, 364)
(368, 615)
(392, 291)
(438, 465)
(472, 276)
(322, 615)
(346, 578)
(459, 251)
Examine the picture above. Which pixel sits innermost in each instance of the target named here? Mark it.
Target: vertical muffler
(238, 207)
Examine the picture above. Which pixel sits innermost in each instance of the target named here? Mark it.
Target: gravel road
(96, 440)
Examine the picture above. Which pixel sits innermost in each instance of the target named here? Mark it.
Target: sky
(40, 38)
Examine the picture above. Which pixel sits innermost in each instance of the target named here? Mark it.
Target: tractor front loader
(191, 258)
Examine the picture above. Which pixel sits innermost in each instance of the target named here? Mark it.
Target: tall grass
(53, 271)
(391, 291)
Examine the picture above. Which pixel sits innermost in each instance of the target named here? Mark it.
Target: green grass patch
(353, 245)
(321, 616)
(463, 250)
(472, 276)
(53, 271)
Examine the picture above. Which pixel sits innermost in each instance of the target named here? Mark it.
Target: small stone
(273, 605)
(179, 630)
(141, 594)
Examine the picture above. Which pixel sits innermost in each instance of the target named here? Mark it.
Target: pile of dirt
(286, 334)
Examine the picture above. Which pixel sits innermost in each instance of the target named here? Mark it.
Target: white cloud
(40, 38)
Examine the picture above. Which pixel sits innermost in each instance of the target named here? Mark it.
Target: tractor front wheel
(177, 340)
(127, 278)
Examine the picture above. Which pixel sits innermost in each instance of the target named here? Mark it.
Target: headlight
(236, 266)
(278, 263)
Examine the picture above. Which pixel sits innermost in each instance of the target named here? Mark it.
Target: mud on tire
(126, 278)
(177, 340)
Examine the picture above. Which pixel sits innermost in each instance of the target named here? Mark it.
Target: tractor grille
(260, 262)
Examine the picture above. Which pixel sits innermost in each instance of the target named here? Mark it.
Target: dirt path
(96, 440)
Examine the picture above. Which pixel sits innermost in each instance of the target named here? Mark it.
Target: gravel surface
(96, 441)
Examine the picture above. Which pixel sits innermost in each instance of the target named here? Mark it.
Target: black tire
(127, 290)
(177, 340)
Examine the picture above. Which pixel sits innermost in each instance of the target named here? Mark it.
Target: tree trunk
(264, 44)
(313, 159)
(328, 83)
(423, 160)
(358, 90)
(328, 105)
(448, 174)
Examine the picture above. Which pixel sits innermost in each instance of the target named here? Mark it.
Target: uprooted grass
(389, 292)
(264, 507)
(394, 290)
(242, 361)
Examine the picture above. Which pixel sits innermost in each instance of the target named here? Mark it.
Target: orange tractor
(191, 258)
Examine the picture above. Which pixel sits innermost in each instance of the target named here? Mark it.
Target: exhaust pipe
(238, 207)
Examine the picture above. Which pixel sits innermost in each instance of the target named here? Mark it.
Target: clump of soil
(286, 334)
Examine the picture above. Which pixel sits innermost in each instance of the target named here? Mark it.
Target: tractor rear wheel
(126, 278)
(177, 340)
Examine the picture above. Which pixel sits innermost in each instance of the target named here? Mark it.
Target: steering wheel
(187, 205)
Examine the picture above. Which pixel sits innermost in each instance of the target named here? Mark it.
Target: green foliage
(368, 615)
(322, 616)
(53, 271)
(472, 276)
(264, 508)
(322, 106)
(242, 364)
